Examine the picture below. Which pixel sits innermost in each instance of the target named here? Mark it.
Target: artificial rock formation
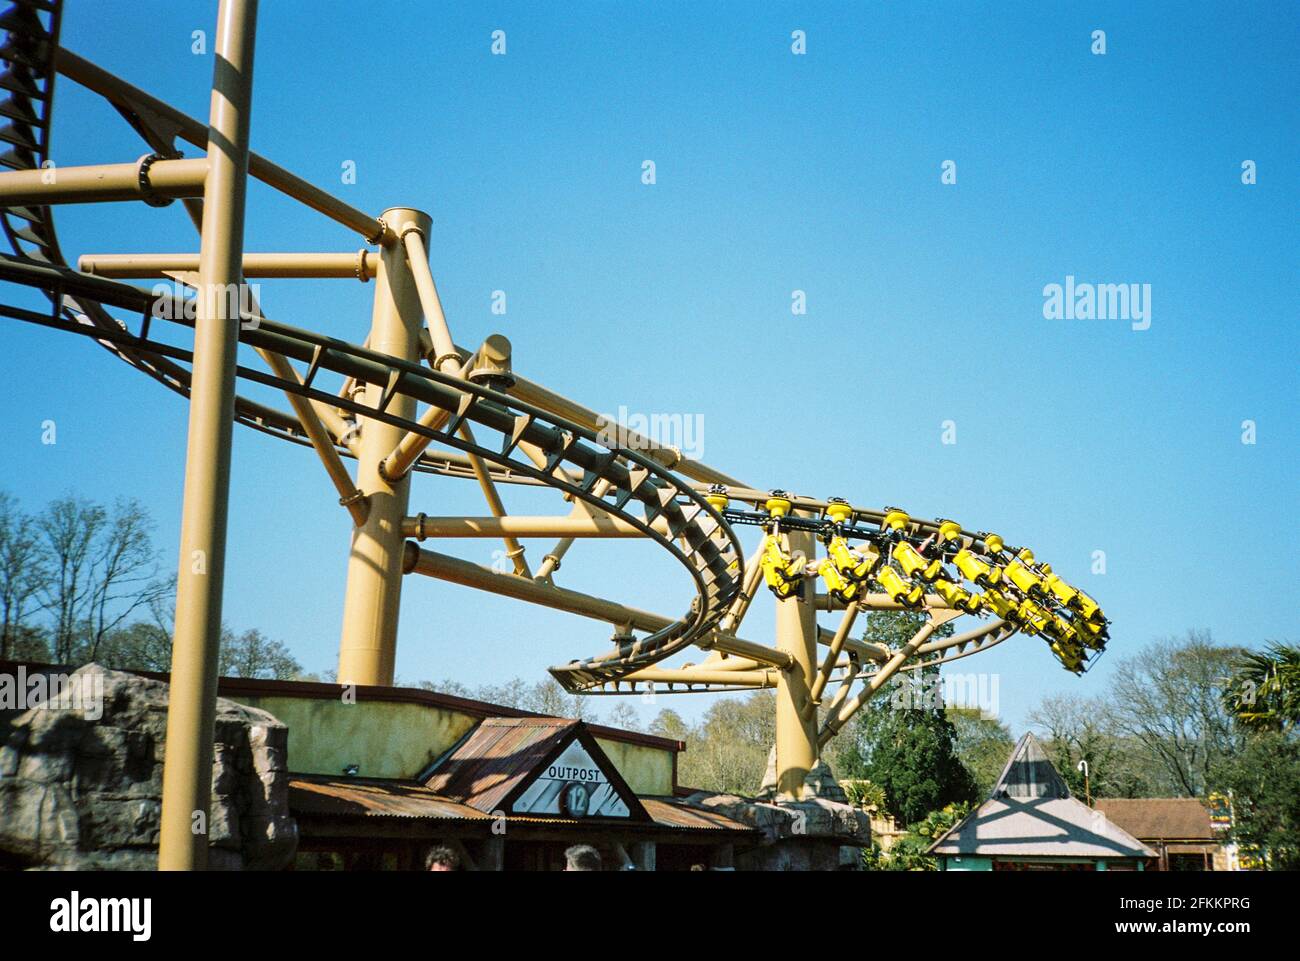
(81, 780)
(815, 834)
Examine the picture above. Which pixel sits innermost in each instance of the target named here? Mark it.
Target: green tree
(912, 755)
(908, 853)
(983, 744)
(668, 723)
(902, 740)
(140, 646)
(1264, 781)
(1265, 688)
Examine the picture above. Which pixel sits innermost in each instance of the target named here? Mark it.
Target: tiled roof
(1160, 819)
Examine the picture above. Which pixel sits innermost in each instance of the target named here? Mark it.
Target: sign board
(573, 785)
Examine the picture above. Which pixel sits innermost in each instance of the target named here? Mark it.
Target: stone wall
(81, 780)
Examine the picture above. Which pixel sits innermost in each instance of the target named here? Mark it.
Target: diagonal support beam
(835, 723)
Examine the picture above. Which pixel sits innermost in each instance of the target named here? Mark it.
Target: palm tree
(1265, 691)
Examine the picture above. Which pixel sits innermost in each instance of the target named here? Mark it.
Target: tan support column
(796, 717)
(191, 712)
(370, 608)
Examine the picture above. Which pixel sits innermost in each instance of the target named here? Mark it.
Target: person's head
(441, 858)
(582, 857)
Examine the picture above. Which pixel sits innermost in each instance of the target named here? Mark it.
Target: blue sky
(775, 173)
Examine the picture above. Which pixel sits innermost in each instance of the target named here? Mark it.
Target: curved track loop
(637, 489)
(576, 460)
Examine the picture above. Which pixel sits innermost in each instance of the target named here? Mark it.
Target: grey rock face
(81, 780)
(820, 782)
(816, 834)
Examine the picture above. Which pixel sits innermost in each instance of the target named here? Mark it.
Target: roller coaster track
(524, 443)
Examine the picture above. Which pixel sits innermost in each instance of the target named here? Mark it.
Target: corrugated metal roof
(495, 758)
(366, 797)
(676, 814)
(372, 797)
(1181, 818)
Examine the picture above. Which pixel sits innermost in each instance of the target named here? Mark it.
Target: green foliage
(863, 794)
(668, 723)
(908, 853)
(902, 740)
(140, 646)
(1265, 690)
(1264, 781)
(983, 745)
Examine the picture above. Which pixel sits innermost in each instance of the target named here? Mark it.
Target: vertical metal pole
(796, 716)
(370, 608)
(191, 713)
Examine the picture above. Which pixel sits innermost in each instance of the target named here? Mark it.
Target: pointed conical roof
(1029, 774)
(1030, 814)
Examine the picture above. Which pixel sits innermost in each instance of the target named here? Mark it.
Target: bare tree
(144, 645)
(69, 528)
(624, 715)
(125, 575)
(253, 654)
(1084, 729)
(548, 697)
(23, 572)
(1170, 699)
(103, 569)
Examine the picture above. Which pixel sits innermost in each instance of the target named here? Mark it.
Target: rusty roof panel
(363, 797)
(496, 756)
(676, 814)
(372, 797)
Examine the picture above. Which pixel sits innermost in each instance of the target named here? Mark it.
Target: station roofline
(235, 687)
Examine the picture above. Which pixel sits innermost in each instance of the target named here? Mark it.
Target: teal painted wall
(967, 863)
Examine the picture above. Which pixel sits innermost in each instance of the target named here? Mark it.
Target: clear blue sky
(775, 173)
